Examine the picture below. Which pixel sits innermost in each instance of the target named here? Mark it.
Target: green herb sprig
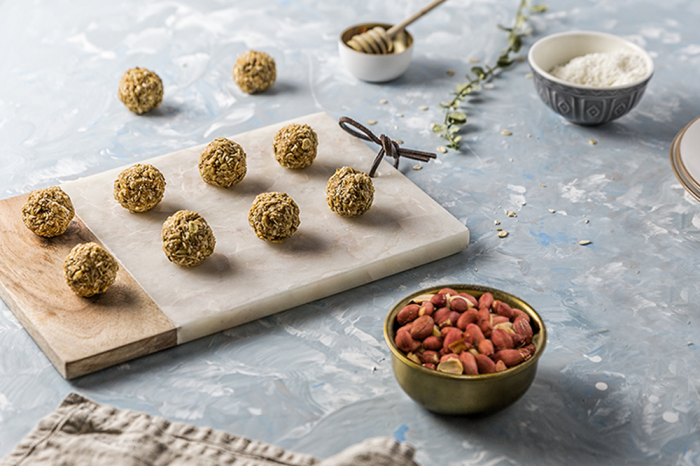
(454, 118)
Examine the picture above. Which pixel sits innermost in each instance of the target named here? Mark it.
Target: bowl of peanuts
(464, 349)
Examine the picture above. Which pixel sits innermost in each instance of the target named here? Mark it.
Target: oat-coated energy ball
(222, 163)
(48, 212)
(274, 216)
(349, 192)
(187, 238)
(140, 90)
(295, 146)
(139, 188)
(254, 72)
(90, 269)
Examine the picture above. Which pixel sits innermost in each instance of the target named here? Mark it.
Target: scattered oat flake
(488, 86)
(584, 242)
(505, 132)
(398, 141)
(399, 115)
(496, 222)
(593, 142)
(502, 234)
(417, 167)
(510, 213)
(690, 343)
(474, 60)
(423, 107)
(441, 149)
(511, 159)
(371, 122)
(383, 101)
(499, 229)
(543, 185)
(476, 269)
(450, 72)
(528, 76)
(585, 221)
(551, 211)
(529, 135)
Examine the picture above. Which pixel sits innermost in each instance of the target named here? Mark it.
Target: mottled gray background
(620, 380)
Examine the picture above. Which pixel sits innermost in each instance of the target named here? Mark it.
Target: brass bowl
(465, 394)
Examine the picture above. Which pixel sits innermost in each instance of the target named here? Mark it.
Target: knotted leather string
(388, 147)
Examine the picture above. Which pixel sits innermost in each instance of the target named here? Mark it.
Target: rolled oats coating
(140, 90)
(274, 216)
(295, 146)
(90, 269)
(349, 192)
(187, 238)
(254, 72)
(222, 163)
(139, 188)
(48, 212)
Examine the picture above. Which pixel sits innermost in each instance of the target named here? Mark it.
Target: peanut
(447, 292)
(439, 300)
(504, 310)
(475, 333)
(486, 347)
(430, 366)
(452, 335)
(408, 314)
(422, 328)
(519, 313)
(430, 357)
(501, 366)
(404, 342)
(451, 366)
(497, 320)
(441, 314)
(474, 301)
(485, 364)
(460, 303)
(426, 309)
(510, 357)
(501, 339)
(458, 346)
(468, 363)
(469, 317)
(486, 300)
(432, 343)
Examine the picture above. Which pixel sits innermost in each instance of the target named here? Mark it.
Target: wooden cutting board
(156, 304)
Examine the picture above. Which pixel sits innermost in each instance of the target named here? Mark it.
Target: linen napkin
(82, 432)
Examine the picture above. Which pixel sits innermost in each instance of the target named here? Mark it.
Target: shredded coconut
(602, 69)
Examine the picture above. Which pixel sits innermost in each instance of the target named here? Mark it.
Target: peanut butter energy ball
(48, 212)
(349, 192)
(254, 72)
(187, 238)
(295, 146)
(139, 188)
(140, 90)
(90, 269)
(274, 216)
(222, 163)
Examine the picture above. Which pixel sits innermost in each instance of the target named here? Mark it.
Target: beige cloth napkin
(82, 432)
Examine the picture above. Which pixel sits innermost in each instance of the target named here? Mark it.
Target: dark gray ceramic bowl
(581, 104)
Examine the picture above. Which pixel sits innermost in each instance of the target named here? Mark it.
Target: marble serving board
(246, 278)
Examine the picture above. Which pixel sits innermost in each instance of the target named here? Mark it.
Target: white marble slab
(247, 278)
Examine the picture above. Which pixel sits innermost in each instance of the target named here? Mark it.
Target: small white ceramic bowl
(373, 68)
(582, 104)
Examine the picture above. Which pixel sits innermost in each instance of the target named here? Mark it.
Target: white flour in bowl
(602, 69)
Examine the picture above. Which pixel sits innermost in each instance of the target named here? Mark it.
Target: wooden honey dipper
(379, 40)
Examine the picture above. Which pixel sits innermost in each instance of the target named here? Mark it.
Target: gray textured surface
(620, 380)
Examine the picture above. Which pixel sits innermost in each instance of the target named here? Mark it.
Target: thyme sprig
(454, 118)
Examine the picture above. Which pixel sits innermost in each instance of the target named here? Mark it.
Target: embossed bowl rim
(560, 48)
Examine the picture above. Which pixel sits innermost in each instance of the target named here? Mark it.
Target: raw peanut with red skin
(439, 300)
(408, 313)
(483, 314)
(501, 366)
(510, 357)
(404, 342)
(422, 328)
(452, 318)
(469, 363)
(496, 320)
(474, 301)
(501, 339)
(443, 351)
(432, 343)
(527, 351)
(440, 314)
(504, 310)
(485, 300)
(486, 328)
(475, 333)
(485, 364)
(448, 356)
(447, 291)
(521, 327)
(518, 340)
(443, 332)
(469, 317)
(416, 345)
(451, 336)
(458, 346)
(426, 309)
(519, 313)
(405, 328)
(460, 303)
(486, 347)
(430, 357)
(430, 366)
